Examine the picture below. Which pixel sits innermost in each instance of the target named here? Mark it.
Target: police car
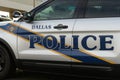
(64, 36)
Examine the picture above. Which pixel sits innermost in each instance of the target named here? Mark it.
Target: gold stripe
(13, 34)
(84, 51)
(43, 46)
(8, 32)
(66, 45)
(60, 53)
(66, 56)
(27, 29)
(37, 33)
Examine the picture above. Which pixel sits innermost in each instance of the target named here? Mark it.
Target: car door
(97, 35)
(47, 38)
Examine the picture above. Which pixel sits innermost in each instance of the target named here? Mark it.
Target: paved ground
(39, 76)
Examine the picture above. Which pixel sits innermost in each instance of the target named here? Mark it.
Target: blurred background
(7, 7)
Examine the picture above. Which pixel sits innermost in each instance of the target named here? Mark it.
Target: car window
(58, 9)
(102, 8)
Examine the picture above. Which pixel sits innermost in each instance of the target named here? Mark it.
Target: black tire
(6, 64)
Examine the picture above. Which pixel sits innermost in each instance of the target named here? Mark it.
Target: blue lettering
(84, 42)
(33, 40)
(50, 42)
(75, 42)
(104, 42)
(62, 43)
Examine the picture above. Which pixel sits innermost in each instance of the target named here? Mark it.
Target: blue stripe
(71, 53)
(6, 27)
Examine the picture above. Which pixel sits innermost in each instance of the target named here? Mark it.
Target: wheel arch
(9, 49)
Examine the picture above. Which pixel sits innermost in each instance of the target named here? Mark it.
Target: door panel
(45, 30)
(48, 37)
(98, 40)
(98, 33)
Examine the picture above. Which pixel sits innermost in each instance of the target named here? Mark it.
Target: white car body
(93, 42)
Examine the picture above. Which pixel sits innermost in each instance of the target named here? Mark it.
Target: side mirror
(17, 14)
(27, 17)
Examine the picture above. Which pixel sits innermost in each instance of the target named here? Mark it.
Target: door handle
(61, 26)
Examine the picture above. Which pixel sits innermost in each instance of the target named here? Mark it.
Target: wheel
(6, 66)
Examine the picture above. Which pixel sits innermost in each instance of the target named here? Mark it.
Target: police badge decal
(11, 28)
